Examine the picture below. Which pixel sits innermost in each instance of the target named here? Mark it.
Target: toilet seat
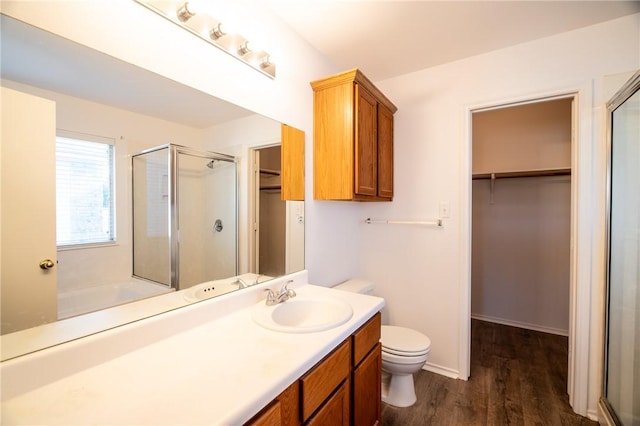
(403, 360)
(404, 353)
(401, 341)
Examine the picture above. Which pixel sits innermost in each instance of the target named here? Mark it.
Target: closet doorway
(269, 213)
(521, 215)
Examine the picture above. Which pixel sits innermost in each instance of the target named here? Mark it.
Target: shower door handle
(47, 264)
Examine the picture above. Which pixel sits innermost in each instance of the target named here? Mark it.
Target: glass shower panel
(622, 373)
(206, 219)
(151, 212)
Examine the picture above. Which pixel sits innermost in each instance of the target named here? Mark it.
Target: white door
(27, 211)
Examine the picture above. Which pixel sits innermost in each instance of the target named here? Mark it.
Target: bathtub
(89, 299)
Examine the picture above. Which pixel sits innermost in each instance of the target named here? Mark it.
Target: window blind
(84, 192)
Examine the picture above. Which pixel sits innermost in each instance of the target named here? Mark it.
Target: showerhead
(211, 163)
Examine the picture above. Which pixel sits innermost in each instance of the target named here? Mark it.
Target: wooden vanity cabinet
(366, 377)
(342, 389)
(353, 139)
(335, 411)
(321, 381)
(282, 411)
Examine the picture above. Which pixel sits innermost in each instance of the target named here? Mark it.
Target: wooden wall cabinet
(342, 389)
(352, 139)
(292, 163)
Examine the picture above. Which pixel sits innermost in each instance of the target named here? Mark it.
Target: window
(85, 196)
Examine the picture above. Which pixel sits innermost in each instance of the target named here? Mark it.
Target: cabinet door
(385, 152)
(367, 390)
(269, 417)
(335, 411)
(292, 163)
(366, 144)
(320, 381)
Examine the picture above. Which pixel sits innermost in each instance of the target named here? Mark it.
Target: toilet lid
(404, 341)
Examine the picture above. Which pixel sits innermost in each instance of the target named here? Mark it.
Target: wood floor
(518, 377)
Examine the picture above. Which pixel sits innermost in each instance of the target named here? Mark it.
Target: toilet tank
(356, 285)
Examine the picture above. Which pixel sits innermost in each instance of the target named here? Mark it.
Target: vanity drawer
(365, 338)
(270, 416)
(320, 382)
(334, 412)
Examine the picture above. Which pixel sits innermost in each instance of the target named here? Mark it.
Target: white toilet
(404, 352)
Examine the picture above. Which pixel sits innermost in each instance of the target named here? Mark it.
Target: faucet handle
(289, 291)
(272, 298)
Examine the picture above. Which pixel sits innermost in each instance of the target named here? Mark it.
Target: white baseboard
(528, 326)
(443, 371)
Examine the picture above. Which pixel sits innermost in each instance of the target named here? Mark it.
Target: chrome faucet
(241, 283)
(285, 293)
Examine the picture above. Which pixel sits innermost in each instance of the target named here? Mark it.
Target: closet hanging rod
(437, 222)
(524, 173)
(270, 172)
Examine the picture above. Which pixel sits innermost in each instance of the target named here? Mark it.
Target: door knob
(47, 264)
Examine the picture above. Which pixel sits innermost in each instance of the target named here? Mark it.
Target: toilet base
(398, 389)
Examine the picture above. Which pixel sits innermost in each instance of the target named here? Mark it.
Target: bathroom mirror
(100, 97)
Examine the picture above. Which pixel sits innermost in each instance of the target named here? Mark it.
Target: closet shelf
(270, 172)
(270, 187)
(524, 173)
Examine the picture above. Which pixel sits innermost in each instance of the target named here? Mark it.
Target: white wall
(424, 273)
(520, 252)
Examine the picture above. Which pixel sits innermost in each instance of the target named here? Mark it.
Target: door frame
(254, 204)
(581, 244)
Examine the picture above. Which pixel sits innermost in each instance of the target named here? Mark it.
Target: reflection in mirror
(184, 216)
(136, 110)
(271, 213)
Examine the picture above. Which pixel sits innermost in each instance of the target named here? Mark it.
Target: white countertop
(208, 363)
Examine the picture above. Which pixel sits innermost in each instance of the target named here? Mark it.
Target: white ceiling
(386, 38)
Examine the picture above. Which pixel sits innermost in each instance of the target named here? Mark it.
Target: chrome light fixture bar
(211, 30)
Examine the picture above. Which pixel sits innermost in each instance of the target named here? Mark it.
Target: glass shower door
(151, 213)
(621, 384)
(185, 209)
(206, 219)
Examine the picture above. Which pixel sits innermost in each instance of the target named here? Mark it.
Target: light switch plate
(444, 209)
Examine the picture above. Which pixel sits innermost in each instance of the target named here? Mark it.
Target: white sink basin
(303, 314)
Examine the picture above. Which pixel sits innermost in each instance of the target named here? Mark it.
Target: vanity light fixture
(183, 13)
(188, 16)
(217, 32)
(244, 48)
(266, 62)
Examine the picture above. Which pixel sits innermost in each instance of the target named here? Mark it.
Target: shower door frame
(173, 151)
(629, 89)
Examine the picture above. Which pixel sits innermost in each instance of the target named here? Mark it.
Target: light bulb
(266, 61)
(189, 9)
(217, 32)
(244, 48)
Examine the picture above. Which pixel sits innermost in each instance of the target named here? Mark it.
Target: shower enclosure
(620, 402)
(184, 216)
